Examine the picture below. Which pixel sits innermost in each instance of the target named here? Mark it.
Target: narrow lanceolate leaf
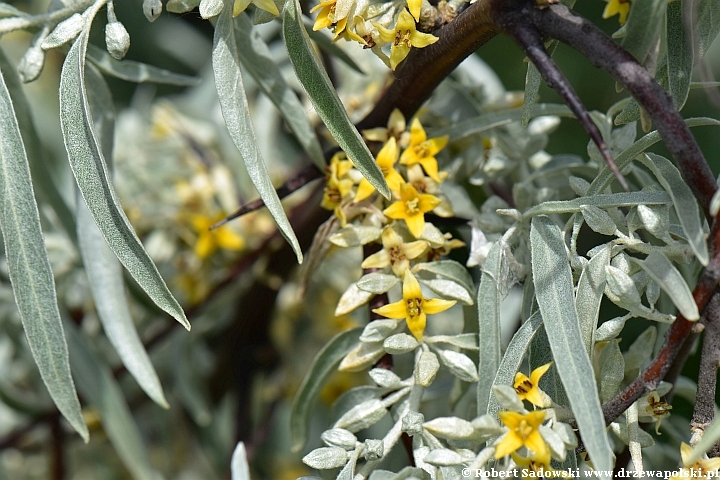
(235, 110)
(107, 287)
(554, 289)
(488, 303)
(680, 53)
(603, 179)
(643, 27)
(323, 365)
(239, 464)
(589, 295)
(622, 199)
(96, 383)
(514, 355)
(660, 269)
(88, 166)
(684, 202)
(533, 80)
(324, 98)
(257, 59)
(137, 72)
(29, 268)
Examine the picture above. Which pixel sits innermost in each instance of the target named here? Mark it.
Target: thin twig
(558, 22)
(529, 39)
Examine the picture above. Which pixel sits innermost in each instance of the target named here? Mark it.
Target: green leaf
(622, 199)
(39, 163)
(107, 288)
(325, 43)
(235, 110)
(323, 365)
(489, 120)
(589, 295)
(29, 268)
(136, 72)
(680, 53)
(255, 56)
(605, 177)
(323, 96)
(554, 289)
(660, 269)
(449, 269)
(533, 80)
(488, 303)
(88, 166)
(239, 465)
(514, 354)
(643, 27)
(96, 383)
(683, 201)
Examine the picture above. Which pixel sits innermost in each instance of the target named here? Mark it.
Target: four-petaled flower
(413, 307)
(529, 388)
(531, 468)
(422, 150)
(403, 37)
(210, 240)
(656, 409)
(700, 469)
(523, 432)
(326, 17)
(395, 253)
(386, 158)
(412, 207)
(617, 7)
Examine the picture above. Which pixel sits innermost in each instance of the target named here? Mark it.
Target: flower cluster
(374, 26)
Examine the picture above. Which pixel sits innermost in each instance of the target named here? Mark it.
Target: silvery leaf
(451, 428)
(610, 329)
(339, 437)
(426, 368)
(362, 416)
(377, 283)
(355, 236)
(662, 271)
(451, 270)
(507, 398)
(612, 370)
(65, 31)
(620, 288)
(362, 356)
(441, 457)
(325, 458)
(384, 378)
(459, 365)
(467, 341)
(378, 330)
(239, 465)
(599, 220)
(554, 441)
(351, 299)
(400, 343)
(449, 289)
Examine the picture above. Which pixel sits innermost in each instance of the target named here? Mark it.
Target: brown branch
(558, 22)
(704, 411)
(674, 339)
(528, 38)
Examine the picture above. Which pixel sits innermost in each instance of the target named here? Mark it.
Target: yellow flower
(411, 208)
(414, 307)
(523, 432)
(210, 240)
(386, 158)
(268, 5)
(395, 253)
(395, 128)
(529, 388)
(404, 36)
(531, 468)
(414, 6)
(657, 409)
(422, 150)
(336, 186)
(617, 7)
(699, 469)
(326, 17)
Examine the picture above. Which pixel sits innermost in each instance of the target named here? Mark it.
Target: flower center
(524, 387)
(411, 206)
(333, 195)
(403, 36)
(397, 255)
(419, 186)
(422, 149)
(414, 307)
(523, 430)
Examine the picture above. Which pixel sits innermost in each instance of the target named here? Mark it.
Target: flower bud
(152, 9)
(31, 64)
(210, 8)
(66, 30)
(117, 39)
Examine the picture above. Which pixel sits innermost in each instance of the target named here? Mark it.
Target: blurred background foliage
(177, 172)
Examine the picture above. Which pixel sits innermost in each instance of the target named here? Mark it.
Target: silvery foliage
(650, 242)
